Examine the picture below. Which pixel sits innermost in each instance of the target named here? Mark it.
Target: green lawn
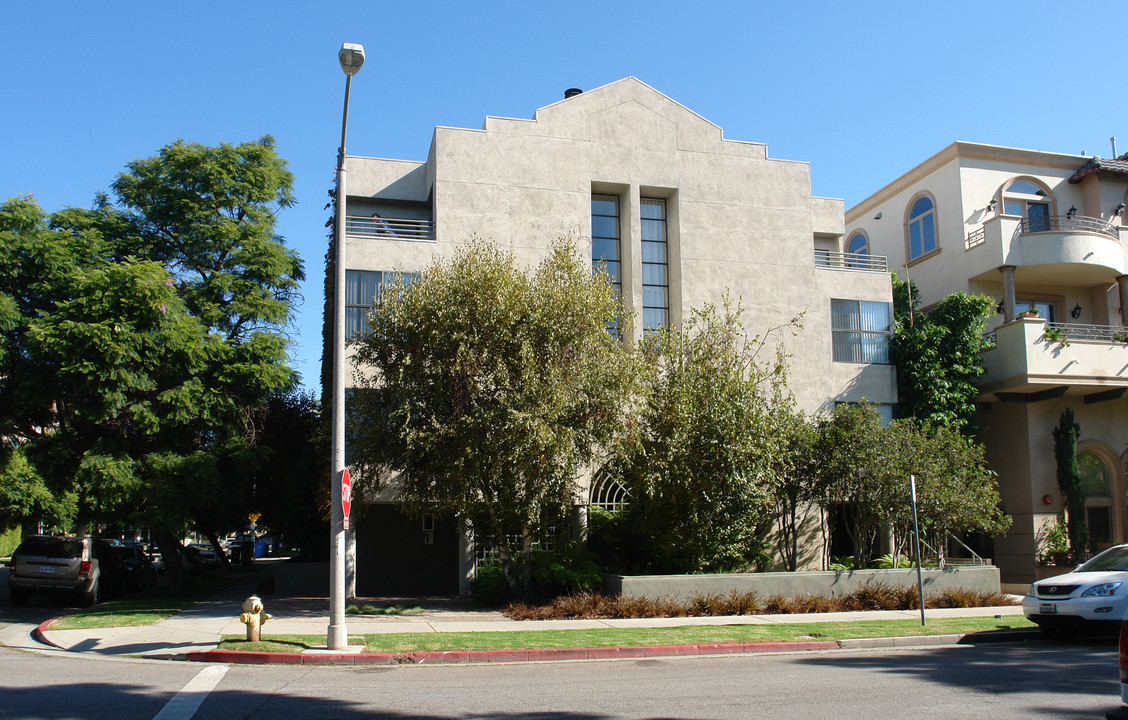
(627, 637)
(146, 608)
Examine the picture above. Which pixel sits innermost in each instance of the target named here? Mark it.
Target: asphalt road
(998, 681)
(1037, 679)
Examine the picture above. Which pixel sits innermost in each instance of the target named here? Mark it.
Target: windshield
(1112, 559)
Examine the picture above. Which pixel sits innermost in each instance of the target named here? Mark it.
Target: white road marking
(184, 704)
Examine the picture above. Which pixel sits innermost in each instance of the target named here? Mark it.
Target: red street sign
(346, 497)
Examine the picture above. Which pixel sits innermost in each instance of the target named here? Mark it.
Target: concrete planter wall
(681, 587)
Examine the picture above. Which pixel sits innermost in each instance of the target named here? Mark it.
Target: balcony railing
(975, 238)
(862, 262)
(1095, 333)
(390, 228)
(1065, 223)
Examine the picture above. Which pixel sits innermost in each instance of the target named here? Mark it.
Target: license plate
(1047, 608)
(46, 569)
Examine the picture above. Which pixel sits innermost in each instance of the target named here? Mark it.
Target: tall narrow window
(605, 238)
(360, 294)
(362, 287)
(655, 265)
(860, 331)
(922, 228)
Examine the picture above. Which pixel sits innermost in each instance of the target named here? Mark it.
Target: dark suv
(53, 565)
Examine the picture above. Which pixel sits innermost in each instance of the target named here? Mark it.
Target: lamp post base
(337, 638)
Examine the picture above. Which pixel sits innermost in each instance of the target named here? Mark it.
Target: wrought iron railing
(390, 228)
(1094, 333)
(975, 238)
(1065, 223)
(990, 341)
(863, 262)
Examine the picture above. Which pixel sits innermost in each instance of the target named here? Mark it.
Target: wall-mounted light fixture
(1076, 311)
(877, 216)
(1119, 209)
(991, 204)
(999, 307)
(1071, 212)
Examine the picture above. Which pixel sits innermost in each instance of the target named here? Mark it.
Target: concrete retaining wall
(682, 587)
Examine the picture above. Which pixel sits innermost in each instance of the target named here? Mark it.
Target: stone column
(1008, 293)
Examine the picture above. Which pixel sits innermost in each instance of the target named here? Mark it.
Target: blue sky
(861, 91)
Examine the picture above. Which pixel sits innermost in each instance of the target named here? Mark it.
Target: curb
(504, 656)
(242, 657)
(40, 633)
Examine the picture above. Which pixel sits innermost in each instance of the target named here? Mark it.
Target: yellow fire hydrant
(253, 616)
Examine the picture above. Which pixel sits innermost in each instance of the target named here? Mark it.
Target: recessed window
(1026, 200)
(362, 287)
(922, 227)
(1096, 485)
(1046, 309)
(655, 265)
(858, 243)
(605, 249)
(860, 331)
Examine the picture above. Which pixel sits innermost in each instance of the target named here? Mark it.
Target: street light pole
(351, 57)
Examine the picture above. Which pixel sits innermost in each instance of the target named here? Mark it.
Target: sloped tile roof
(1119, 166)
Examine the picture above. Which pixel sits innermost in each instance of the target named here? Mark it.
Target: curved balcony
(1075, 250)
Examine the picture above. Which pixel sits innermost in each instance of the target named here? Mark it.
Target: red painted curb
(537, 655)
(40, 633)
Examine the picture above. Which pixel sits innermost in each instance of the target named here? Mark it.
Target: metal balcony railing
(862, 262)
(1094, 333)
(1064, 223)
(975, 238)
(387, 228)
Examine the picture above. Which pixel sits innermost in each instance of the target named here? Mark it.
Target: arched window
(1029, 201)
(1096, 485)
(609, 494)
(858, 243)
(922, 227)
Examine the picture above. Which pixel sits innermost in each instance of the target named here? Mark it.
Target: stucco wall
(683, 587)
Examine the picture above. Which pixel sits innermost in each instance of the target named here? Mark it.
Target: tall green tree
(147, 332)
(937, 356)
(697, 472)
(492, 388)
(1066, 435)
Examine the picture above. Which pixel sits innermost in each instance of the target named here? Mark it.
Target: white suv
(1095, 592)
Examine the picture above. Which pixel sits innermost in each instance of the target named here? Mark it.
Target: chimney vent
(572, 92)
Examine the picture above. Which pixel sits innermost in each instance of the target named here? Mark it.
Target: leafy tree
(852, 469)
(937, 356)
(793, 481)
(492, 388)
(147, 333)
(697, 470)
(866, 467)
(955, 490)
(1066, 435)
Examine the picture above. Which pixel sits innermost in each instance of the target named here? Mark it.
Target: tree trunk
(217, 546)
(170, 551)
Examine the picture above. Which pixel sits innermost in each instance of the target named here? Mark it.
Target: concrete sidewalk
(196, 632)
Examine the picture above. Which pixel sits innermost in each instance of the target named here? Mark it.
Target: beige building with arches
(1043, 235)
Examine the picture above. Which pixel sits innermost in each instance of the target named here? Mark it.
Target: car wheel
(93, 596)
(18, 597)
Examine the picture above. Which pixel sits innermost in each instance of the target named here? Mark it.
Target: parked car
(205, 553)
(139, 571)
(1095, 592)
(57, 566)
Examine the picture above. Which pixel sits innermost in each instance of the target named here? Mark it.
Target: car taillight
(84, 569)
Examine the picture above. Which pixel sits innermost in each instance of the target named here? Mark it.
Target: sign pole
(916, 538)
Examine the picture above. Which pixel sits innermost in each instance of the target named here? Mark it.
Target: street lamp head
(351, 57)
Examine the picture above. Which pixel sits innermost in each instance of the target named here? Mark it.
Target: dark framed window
(655, 265)
(605, 238)
(362, 287)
